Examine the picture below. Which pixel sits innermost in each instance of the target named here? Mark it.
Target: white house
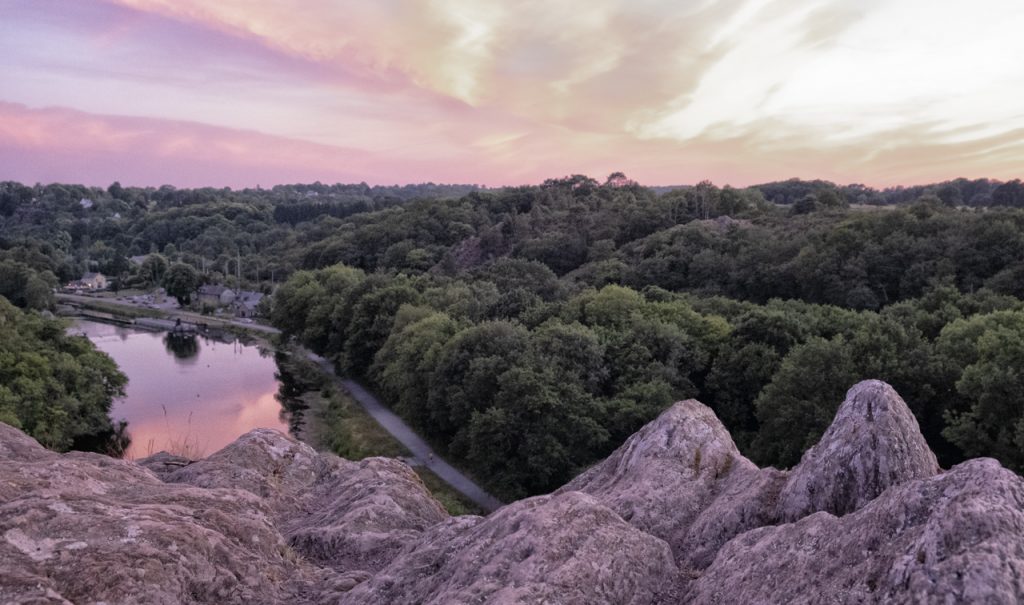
(90, 281)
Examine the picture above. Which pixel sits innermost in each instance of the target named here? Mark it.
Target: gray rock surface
(352, 515)
(87, 528)
(681, 478)
(675, 515)
(564, 548)
(873, 443)
(16, 446)
(957, 537)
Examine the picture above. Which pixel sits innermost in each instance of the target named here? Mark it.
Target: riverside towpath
(413, 442)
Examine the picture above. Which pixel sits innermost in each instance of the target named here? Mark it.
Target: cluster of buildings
(242, 303)
(217, 297)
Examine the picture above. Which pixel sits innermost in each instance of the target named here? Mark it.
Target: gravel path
(419, 448)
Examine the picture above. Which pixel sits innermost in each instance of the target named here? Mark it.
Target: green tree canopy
(181, 281)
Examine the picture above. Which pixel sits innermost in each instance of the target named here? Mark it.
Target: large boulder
(85, 528)
(264, 462)
(564, 548)
(873, 443)
(361, 514)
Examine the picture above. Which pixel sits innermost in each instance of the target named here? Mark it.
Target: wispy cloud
(733, 90)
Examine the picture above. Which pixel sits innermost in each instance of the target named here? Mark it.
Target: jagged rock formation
(87, 528)
(676, 515)
(565, 548)
(681, 478)
(873, 443)
(355, 515)
(952, 538)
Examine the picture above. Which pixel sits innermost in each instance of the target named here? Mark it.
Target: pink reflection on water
(190, 400)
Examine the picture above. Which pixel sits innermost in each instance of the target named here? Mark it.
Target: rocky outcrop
(675, 515)
(873, 443)
(16, 446)
(682, 479)
(952, 538)
(564, 548)
(88, 528)
(353, 515)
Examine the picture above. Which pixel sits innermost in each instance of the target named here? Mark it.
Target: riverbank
(133, 311)
(329, 418)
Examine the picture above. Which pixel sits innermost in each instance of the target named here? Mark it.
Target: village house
(216, 296)
(90, 281)
(246, 302)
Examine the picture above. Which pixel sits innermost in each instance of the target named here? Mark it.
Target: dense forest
(527, 331)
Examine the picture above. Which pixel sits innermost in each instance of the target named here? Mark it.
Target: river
(190, 396)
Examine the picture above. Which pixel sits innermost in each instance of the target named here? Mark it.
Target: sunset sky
(247, 92)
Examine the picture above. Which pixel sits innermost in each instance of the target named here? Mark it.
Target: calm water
(190, 396)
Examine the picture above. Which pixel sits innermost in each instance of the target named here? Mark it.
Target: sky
(260, 92)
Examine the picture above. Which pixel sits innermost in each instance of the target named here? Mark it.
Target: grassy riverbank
(106, 304)
(453, 502)
(329, 419)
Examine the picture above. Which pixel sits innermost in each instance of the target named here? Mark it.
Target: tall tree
(181, 281)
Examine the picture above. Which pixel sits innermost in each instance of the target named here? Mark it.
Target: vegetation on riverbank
(329, 419)
(452, 501)
(325, 417)
(528, 330)
(56, 387)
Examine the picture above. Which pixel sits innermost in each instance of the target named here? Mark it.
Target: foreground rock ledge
(676, 515)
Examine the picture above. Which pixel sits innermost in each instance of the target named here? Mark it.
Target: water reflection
(182, 346)
(191, 396)
(296, 381)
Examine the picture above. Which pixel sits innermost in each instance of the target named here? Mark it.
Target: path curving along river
(385, 417)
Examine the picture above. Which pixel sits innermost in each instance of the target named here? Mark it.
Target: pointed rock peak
(873, 443)
(686, 439)
(665, 480)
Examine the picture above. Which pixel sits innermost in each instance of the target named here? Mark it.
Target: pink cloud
(242, 92)
(58, 144)
(64, 145)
